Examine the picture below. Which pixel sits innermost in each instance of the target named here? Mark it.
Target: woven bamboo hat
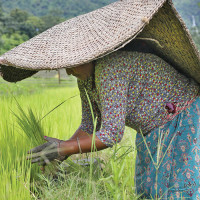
(100, 32)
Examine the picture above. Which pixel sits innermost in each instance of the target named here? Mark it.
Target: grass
(30, 124)
(20, 180)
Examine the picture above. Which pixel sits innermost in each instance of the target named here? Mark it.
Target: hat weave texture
(100, 32)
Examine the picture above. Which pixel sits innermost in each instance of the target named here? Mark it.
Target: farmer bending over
(139, 89)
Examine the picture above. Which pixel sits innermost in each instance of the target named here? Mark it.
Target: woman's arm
(60, 150)
(83, 139)
(79, 133)
(82, 144)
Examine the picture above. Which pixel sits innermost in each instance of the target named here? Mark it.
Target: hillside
(71, 8)
(64, 8)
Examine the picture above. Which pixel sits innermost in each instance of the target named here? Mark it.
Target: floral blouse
(133, 89)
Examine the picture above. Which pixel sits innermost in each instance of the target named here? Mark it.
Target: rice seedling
(30, 124)
(160, 155)
(16, 172)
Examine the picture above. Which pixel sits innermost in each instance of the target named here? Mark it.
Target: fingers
(36, 160)
(34, 156)
(47, 152)
(43, 157)
(38, 148)
(50, 139)
(43, 146)
(44, 153)
(41, 160)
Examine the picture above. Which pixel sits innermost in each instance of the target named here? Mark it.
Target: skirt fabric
(168, 158)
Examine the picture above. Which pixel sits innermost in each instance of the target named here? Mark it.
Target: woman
(136, 89)
(144, 92)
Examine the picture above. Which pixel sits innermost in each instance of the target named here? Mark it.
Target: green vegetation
(17, 26)
(20, 180)
(72, 8)
(11, 41)
(21, 20)
(65, 8)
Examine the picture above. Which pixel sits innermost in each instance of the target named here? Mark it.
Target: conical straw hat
(100, 32)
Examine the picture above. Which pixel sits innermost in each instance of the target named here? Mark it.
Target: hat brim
(13, 74)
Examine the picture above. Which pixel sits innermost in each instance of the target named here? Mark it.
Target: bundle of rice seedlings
(30, 124)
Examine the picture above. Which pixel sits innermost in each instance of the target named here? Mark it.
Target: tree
(50, 20)
(32, 26)
(1, 23)
(11, 41)
(14, 20)
(18, 15)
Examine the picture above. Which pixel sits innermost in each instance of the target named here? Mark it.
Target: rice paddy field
(110, 177)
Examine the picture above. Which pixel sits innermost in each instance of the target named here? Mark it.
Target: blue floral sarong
(168, 161)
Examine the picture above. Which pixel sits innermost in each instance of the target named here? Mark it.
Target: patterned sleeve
(87, 120)
(112, 85)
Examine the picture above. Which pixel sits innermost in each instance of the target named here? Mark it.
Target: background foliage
(65, 8)
(23, 19)
(188, 9)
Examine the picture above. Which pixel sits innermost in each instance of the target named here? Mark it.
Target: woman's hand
(46, 152)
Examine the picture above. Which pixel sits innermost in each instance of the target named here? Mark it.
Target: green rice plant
(15, 171)
(160, 156)
(30, 124)
(93, 147)
(17, 176)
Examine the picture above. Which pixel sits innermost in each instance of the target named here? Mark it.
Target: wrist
(67, 148)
